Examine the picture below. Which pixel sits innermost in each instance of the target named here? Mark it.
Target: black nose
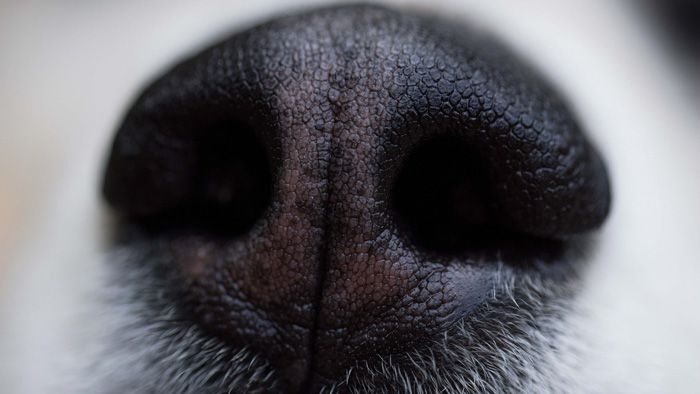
(345, 182)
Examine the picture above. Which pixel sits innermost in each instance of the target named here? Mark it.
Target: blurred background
(69, 69)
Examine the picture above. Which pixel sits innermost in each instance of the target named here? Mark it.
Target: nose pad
(327, 200)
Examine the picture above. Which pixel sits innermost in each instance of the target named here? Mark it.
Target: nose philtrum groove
(333, 154)
(322, 266)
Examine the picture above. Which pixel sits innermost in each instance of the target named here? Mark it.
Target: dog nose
(342, 184)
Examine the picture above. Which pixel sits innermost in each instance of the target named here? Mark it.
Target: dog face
(368, 199)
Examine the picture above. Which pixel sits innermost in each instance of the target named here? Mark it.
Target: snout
(345, 184)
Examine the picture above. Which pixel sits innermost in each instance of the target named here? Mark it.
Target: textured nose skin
(339, 98)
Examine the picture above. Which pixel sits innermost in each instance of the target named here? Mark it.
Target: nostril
(455, 192)
(224, 187)
(442, 196)
(234, 182)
